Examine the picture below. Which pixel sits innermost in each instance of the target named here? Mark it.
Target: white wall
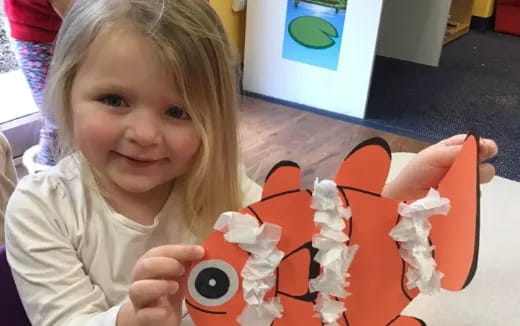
(413, 30)
(344, 91)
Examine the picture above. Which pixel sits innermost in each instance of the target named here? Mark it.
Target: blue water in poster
(313, 33)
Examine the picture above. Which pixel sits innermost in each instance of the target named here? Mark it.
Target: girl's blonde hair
(193, 45)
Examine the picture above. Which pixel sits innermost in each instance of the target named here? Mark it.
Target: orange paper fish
(378, 281)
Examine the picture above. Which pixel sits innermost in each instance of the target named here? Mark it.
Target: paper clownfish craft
(340, 254)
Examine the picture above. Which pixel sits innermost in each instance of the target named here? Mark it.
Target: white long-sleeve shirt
(8, 179)
(72, 255)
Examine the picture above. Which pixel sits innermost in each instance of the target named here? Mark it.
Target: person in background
(34, 25)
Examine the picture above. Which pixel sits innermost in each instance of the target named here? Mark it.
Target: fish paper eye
(213, 282)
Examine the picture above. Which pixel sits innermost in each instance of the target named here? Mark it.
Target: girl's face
(128, 118)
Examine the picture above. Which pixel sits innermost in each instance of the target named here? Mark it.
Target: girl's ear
(366, 168)
(283, 177)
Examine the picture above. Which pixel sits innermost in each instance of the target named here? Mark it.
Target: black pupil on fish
(212, 283)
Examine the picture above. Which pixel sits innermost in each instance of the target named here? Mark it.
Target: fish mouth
(204, 310)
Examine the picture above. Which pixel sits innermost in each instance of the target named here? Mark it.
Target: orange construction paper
(378, 279)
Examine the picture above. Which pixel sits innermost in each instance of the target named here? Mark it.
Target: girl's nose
(143, 129)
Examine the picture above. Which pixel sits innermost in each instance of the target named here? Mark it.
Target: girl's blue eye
(113, 100)
(178, 113)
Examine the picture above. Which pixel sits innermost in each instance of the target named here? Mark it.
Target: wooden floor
(272, 132)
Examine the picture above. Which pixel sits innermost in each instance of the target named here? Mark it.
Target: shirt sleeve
(50, 277)
(251, 191)
(8, 179)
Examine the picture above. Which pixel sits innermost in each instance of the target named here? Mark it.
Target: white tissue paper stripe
(412, 233)
(334, 256)
(328, 309)
(258, 274)
(261, 314)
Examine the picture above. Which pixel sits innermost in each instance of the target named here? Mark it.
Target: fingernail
(174, 287)
(201, 250)
(182, 271)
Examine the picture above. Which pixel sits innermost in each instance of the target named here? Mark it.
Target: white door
(413, 30)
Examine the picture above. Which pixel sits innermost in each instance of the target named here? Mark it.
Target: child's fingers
(183, 253)
(152, 315)
(144, 292)
(158, 268)
(488, 149)
(454, 140)
(441, 156)
(444, 157)
(487, 172)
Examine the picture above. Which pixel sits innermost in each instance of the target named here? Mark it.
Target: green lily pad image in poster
(314, 32)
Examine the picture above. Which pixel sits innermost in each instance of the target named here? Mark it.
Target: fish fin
(283, 177)
(406, 321)
(366, 168)
(456, 236)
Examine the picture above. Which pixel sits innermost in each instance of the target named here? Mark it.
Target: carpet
(476, 86)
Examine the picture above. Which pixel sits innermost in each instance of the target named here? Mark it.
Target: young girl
(145, 95)
(34, 25)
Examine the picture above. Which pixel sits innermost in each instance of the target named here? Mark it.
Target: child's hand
(157, 287)
(428, 168)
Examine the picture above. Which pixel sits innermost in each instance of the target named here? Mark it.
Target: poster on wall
(314, 31)
(315, 53)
